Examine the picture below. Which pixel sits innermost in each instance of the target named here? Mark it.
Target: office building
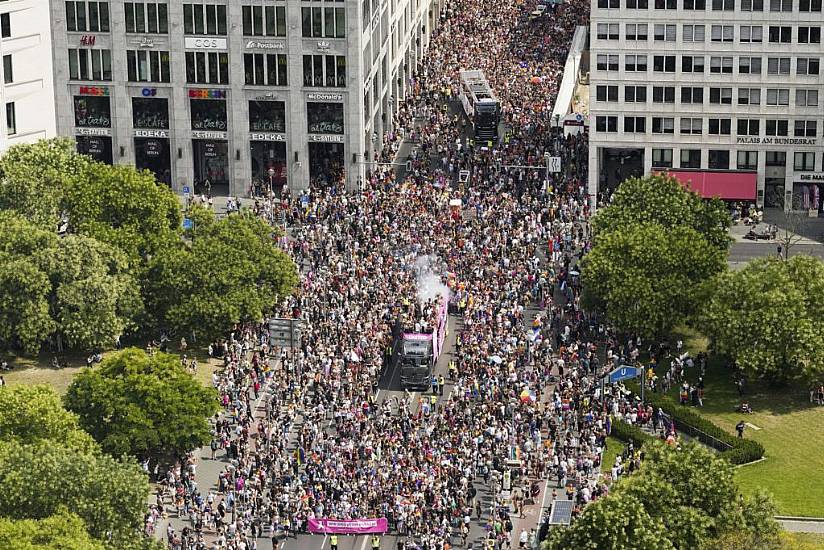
(268, 92)
(724, 94)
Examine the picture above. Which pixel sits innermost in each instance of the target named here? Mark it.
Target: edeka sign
(265, 136)
(774, 141)
(348, 526)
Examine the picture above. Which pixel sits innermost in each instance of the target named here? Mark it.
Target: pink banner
(348, 526)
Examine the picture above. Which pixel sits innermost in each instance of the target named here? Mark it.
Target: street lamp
(271, 173)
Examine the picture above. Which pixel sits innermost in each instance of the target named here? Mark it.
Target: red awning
(724, 185)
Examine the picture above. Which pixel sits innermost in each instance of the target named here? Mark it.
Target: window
(635, 124)
(207, 67)
(607, 62)
(606, 123)
(719, 159)
(721, 65)
(809, 5)
(804, 161)
(781, 34)
(662, 158)
(666, 5)
(749, 65)
(268, 69)
(777, 127)
(85, 64)
(723, 5)
(606, 31)
(663, 125)
(663, 94)
(806, 98)
(635, 63)
(325, 22)
(690, 158)
(8, 70)
(87, 16)
(749, 33)
(749, 127)
(147, 65)
(695, 4)
(809, 35)
(692, 64)
(722, 33)
(147, 17)
(749, 96)
(609, 4)
(5, 25)
(602, 93)
(781, 5)
(807, 66)
(330, 71)
(693, 33)
(805, 128)
(636, 31)
(11, 119)
(778, 96)
(637, 4)
(691, 125)
(752, 5)
(692, 94)
(721, 96)
(778, 65)
(720, 126)
(776, 158)
(665, 32)
(663, 63)
(264, 21)
(635, 94)
(204, 19)
(748, 160)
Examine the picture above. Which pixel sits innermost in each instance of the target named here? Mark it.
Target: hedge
(628, 432)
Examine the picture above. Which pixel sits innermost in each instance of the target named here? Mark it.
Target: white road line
(324, 541)
(365, 540)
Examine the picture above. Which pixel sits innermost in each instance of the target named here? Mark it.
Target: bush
(628, 432)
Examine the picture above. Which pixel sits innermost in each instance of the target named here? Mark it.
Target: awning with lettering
(724, 184)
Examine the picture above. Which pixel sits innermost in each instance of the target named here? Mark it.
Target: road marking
(324, 541)
(365, 540)
(753, 426)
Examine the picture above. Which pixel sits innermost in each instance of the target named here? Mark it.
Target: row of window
(719, 159)
(715, 126)
(691, 33)
(785, 6)
(206, 19)
(804, 66)
(694, 95)
(327, 71)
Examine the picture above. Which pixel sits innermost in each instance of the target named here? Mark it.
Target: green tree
(646, 277)
(231, 271)
(662, 200)
(62, 531)
(769, 318)
(144, 405)
(32, 414)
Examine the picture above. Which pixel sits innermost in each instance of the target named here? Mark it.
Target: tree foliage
(231, 271)
(769, 318)
(682, 498)
(144, 405)
(662, 200)
(646, 277)
(62, 531)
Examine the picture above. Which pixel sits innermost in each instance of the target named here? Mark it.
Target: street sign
(187, 190)
(554, 164)
(463, 176)
(187, 223)
(624, 372)
(284, 332)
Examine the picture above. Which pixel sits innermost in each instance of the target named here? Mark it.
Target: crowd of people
(308, 434)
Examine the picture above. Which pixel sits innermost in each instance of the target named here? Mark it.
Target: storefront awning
(725, 185)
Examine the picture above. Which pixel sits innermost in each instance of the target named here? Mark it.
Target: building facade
(262, 93)
(723, 94)
(26, 88)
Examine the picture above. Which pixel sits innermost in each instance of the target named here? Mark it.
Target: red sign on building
(87, 40)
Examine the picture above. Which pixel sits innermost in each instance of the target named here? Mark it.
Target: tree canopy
(62, 531)
(231, 271)
(682, 498)
(662, 200)
(646, 277)
(769, 318)
(147, 406)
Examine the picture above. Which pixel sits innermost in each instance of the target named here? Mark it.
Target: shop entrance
(152, 154)
(211, 166)
(97, 147)
(326, 165)
(268, 167)
(618, 165)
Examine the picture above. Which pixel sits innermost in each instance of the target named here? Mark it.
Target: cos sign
(193, 43)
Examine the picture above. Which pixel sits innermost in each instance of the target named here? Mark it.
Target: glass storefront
(211, 164)
(324, 118)
(268, 166)
(97, 147)
(267, 116)
(92, 112)
(153, 154)
(150, 117)
(326, 166)
(150, 113)
(209, 114)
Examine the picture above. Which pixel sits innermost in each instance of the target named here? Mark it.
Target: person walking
(376, 542)
(740, 429)
(333, 542)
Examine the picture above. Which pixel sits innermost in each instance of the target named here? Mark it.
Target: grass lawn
(807, 541)
(614, 448)
(789, 427)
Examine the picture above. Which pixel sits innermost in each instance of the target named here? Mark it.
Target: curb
(799, 518)
(762, 459)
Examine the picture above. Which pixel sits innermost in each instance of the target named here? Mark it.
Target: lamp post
(271, 173)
